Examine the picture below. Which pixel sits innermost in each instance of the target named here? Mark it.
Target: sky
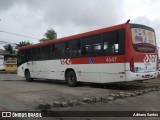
(33, 18)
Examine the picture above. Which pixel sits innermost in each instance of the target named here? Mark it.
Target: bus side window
(68, 49)
(28, 55)
(86, 46)
(39, 53)
(53, 52)
(45, 52)
(121, 41)
(97, 44)
(110, 43)
(84, 52)
(60, 50)
(105, 48)
(92, 45)
(73, 48)
(34, 54)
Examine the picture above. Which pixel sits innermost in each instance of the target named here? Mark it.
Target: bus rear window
(143, 40)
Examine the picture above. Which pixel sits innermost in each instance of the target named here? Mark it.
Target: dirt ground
(18, 95)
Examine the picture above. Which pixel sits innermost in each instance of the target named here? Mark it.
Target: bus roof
(94, 32)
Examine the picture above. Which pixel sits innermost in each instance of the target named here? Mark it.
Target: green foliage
(8, 48)
(50, 35)
(43, 40)
(23, 43)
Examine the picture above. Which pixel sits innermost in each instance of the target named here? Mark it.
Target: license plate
(146, 76)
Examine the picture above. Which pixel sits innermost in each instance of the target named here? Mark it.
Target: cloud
(72, 17)
(6, 4)
(84, 13)
(68, 17)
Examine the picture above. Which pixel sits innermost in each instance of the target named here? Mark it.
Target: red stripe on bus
(109, 59)
(99, 60)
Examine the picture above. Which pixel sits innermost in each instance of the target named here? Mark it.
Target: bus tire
(28, 76)
(71, 79)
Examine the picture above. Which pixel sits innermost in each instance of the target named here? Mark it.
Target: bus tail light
(157, 65)
(132, 65)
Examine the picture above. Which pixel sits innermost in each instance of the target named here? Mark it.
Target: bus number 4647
(111, 59)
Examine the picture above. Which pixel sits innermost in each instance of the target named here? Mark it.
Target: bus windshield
(143, 39)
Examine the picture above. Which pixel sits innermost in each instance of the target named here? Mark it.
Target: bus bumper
(130, 76)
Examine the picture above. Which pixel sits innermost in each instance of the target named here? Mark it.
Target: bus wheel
(28, 76)
(71, 79)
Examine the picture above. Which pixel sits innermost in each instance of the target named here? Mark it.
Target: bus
(124, 52)
(10, 62)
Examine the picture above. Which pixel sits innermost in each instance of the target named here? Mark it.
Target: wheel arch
(68, 70)
(25, 71)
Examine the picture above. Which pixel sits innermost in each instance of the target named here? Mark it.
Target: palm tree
(43, 40)
(50, 35)
(9, 49)
(23, 43)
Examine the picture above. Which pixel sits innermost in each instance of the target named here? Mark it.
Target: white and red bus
(124, 52)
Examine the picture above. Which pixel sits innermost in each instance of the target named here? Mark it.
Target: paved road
(17, 94)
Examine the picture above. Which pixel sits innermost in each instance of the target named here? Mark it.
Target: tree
(23, 43)
(43, 40)
(50, 35)
(9, 49)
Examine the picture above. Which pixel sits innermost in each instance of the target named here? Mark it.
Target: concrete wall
(1, 63)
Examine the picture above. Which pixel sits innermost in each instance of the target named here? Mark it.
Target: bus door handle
(52, 71)
(79, 71)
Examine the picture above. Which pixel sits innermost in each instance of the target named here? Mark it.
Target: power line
(152, 6)
(18, 34)
(5, 39)
(5, 42)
